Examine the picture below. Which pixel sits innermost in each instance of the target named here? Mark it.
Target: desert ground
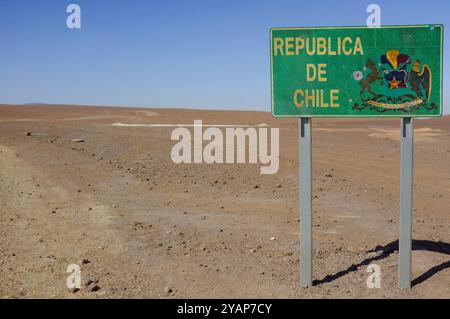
(141, 226)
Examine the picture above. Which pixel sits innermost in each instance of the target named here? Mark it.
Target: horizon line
(199, 108)
(188, 107)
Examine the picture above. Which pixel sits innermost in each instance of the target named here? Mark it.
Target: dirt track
(146, 224)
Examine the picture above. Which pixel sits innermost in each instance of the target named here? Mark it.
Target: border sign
(391, 71)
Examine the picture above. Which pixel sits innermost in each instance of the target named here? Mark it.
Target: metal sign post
(305, 204)
(406, 202)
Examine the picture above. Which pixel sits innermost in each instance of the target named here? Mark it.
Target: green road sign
(392, 71)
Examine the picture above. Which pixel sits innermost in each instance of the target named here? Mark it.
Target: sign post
(392, 71)
(305, 198)
(406, 202)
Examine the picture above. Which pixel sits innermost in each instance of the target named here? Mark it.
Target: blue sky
(206, 54)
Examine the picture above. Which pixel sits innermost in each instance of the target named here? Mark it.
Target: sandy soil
(148, 228)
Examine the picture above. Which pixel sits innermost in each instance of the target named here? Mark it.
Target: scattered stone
(77, 140)
(278, 186)
(90, 282)
(93, 288)
(138, 224)
(272, 238)
(328, 175)
(256, 186)
(252, 251)
(85, 261)
(35, 134)
(435, 238)
(74, 290)
(92, 285)
(168, 290)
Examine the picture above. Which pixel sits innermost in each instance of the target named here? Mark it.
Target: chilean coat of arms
(396, 83)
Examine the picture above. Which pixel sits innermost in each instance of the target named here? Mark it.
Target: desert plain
(75, 189)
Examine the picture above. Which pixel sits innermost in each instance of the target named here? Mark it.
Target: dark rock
(93, 288)
(85, 261)
(92, 285)
(168, 290)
